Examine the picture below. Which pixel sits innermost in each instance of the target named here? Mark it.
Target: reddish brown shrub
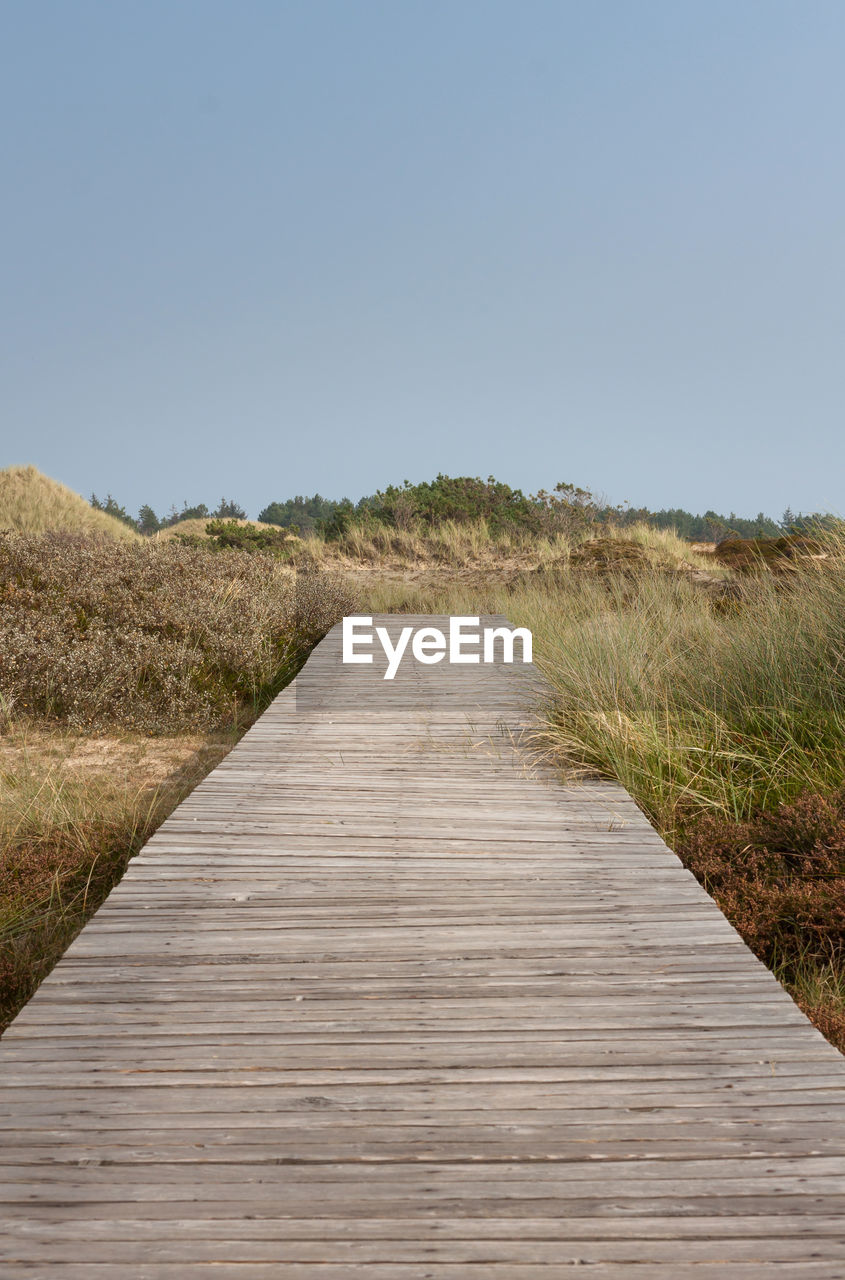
(779, 878)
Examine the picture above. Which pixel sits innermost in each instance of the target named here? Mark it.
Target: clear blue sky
(264, 248)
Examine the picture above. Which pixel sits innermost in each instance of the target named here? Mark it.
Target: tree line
(567, 509)
(147, 522)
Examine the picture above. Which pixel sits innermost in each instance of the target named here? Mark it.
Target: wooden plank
(452, 1253)
(455, 1017)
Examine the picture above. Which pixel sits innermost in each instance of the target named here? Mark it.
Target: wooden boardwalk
(380, 1000)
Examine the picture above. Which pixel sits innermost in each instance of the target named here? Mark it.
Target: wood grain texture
(384, 997)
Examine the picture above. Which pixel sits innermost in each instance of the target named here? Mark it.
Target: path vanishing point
(382, 999)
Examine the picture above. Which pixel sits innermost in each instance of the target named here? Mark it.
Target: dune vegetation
(719, 703)
(709, 679)
(480, 545)
(127, 670)
(197, 527)
(32, 503)
(74, 808)
(724, 716)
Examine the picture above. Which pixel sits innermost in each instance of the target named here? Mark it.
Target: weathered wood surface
(383, 999)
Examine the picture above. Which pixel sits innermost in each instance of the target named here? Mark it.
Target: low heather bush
(153, 636)
(779, 876)
(780, 879)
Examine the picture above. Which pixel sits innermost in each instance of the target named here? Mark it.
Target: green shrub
(228, 535)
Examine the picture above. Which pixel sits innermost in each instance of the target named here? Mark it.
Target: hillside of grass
(32, 503)
(479, 545)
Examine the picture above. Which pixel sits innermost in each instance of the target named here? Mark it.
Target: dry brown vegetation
(780, 878)
(127, 669)
(73, 809)
(156, 637)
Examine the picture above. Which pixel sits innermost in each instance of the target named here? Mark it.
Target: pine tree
(148, 522)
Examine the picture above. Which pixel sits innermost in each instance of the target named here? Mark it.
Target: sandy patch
(127, 760)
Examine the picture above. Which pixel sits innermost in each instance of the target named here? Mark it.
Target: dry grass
(476, 545)
(469, 544)
(819, 989)
(73, 810)
(640, 546)
(32, 503)
(698, 703)
(451, 591)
